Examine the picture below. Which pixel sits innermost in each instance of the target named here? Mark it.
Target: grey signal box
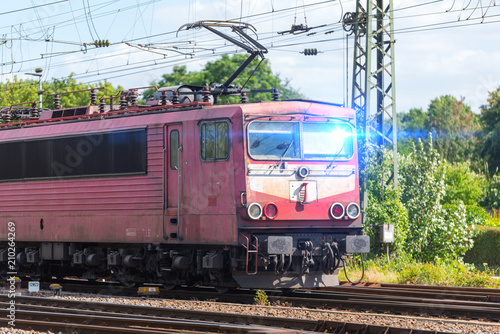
(387, 233)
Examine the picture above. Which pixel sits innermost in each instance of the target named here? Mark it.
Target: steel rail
(98, 313)
(396, 304)
(434, 292)
(90, 323)
(474, 304)
(493, 295)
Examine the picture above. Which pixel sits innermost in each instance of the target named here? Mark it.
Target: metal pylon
(373, 72)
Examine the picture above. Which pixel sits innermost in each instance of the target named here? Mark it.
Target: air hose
(362, 275)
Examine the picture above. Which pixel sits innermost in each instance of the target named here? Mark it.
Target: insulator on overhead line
(276, 94)
(243, 97)
(310, 52)
(101, 43)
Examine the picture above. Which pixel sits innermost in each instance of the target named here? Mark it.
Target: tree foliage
(435, 232)
(76, 99)
(490, 121)
(19, 91)
(220, 70)
(491, 199)
(410, 129)
(465, 186)
(453, 126)
(384, 204)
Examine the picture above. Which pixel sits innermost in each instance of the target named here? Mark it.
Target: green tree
(410, 129)
(220, 70)
(435, 232)
(490, 121)
(453, 126)
(465, 186)
(491, 198)
(18, 91)
(69, 84)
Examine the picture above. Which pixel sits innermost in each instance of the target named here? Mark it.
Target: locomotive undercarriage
(293, 261)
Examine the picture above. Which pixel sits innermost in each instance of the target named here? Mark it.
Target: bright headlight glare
(254, 211)
(353, 210)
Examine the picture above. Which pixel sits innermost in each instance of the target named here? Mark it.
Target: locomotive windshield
(300, 140)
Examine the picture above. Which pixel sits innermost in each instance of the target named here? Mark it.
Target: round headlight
(270, 211)
(337, 210)
(353, 210)
(254, 211)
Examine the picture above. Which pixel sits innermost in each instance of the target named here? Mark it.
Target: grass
(493, 221)
(406, 272)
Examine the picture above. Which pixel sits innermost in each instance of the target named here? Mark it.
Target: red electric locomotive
(262, 194)
(181, 191)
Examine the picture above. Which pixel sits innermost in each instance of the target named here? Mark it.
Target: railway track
(454, 302)
(38, 313)
(429, 291)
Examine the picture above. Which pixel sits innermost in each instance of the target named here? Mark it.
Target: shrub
(435, 232)
(491, 198)
(486, 247)
(384, 204)
(462, 184)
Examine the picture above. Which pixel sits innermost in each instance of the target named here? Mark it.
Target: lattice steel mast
(373, 31)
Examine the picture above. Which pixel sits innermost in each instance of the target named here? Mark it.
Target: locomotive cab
(300, 208)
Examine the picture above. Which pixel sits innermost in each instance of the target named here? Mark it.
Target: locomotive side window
(214, 140)
(174, 149)
(11, 167)
(119, 152)
(276, 140)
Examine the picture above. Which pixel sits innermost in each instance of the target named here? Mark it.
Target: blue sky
(441, 46)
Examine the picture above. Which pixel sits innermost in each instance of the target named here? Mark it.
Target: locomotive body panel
(122, 208)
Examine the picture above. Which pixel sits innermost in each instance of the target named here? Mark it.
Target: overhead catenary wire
(32, 7)
(165, 33)
(279, 45)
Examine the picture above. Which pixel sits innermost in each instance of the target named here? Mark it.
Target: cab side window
(214, 140)
(174, 149)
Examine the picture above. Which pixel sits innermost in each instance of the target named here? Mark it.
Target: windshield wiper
(333, 160)
(283, 155)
